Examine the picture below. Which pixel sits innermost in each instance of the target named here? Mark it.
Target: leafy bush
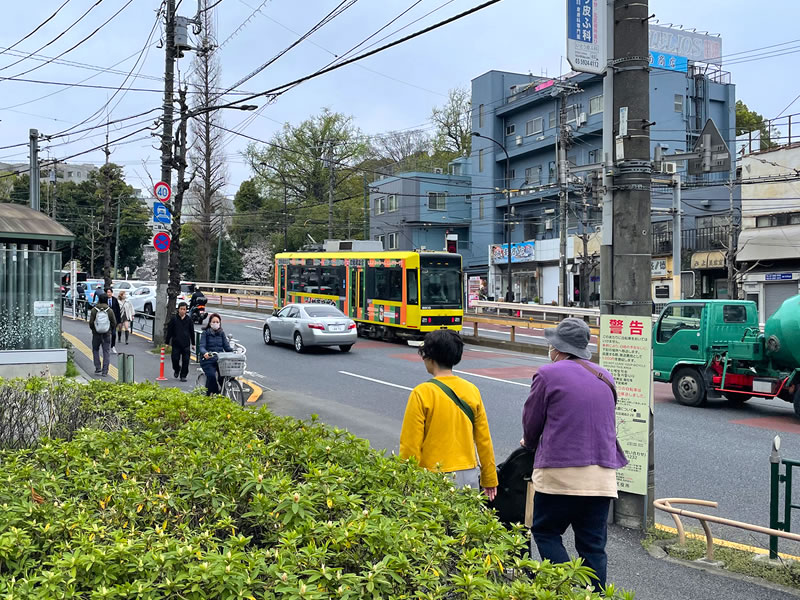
(197, 498)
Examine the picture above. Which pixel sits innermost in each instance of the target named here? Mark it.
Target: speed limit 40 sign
(162, 191)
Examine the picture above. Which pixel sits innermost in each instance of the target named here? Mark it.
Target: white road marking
(253, 327)
(402, 387)
(239, 317)
(492, 378)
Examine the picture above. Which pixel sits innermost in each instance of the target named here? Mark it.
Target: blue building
(418, 210)
(522, 113)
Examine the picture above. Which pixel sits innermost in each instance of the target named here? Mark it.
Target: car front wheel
(299, 346)
(689, 388)
(268, 336)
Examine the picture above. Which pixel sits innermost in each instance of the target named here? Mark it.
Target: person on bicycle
(212, 340)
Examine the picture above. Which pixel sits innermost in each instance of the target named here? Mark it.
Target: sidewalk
(146, 362)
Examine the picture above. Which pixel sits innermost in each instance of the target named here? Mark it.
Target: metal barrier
(777, 528)
(143, 323)
(775, 480)
(125, 368)
(229, 287)
(241, 300)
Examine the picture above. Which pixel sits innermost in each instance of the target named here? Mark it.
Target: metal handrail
(665, 504)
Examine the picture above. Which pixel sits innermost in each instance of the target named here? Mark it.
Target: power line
(37, 28)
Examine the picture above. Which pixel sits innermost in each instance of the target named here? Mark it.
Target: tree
(149, 267)
(453, 123)
(749, 120)
(256, 215)
(110, 190)
(400, 147)
(207, 151)
(258, 264)
(230, 264)
(304, 161)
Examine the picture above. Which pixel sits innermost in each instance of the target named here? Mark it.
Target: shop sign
(522, 252)
(658, 267)
(777, 276)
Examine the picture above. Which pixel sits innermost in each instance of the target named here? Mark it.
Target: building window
(512, 173)
(480, 160)
(551, 119)
(511, 129)
(765, 221)
(468, 199)
(678, 103)
(480, 115)
(392, 241)
(596, 105)
(380, 206)
(710, 221)
(392, 203)
(533, 175)
(794, 219)
(437, 201)
(551, 172)
(572, 113)
(594, 156)
(534, 126)
(480, 208)
(382, 240)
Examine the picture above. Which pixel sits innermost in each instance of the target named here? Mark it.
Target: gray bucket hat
(571, 337)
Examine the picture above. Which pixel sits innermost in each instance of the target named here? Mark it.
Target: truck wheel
(737, 398)
(689, 388)
(796, 402)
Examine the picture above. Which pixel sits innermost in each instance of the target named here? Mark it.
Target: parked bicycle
(231, 365)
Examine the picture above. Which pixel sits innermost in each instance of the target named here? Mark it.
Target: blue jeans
(209, 367)
(588, 515)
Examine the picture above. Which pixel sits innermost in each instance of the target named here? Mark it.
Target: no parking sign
(161, 241)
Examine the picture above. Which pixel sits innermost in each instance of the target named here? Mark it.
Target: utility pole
(366, 207)
(677, 286)
(331, 184)
(733, 291)
(219, 249)
(116, 241)
(563, 197)
(584, 276)
(34, 168)
(162, 271)
(627, 261)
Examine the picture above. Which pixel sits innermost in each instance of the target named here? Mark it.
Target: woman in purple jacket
(569, 420)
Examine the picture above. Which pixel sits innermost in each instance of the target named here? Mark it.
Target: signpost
(586, 35)
(625, 350)
(161, 241)
(162, 191)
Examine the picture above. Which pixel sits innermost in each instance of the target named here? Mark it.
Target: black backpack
(513, 475)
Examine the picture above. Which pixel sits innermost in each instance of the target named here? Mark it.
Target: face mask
(214, 326)
(552, 354)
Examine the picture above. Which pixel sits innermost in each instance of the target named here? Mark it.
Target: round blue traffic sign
(161, 241)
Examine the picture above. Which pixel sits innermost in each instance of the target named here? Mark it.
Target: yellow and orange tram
(388, 294)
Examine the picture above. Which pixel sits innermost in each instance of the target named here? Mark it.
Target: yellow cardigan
(440, 436)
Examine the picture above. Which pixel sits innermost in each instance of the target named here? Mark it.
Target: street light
(509, 291)
(285, 213)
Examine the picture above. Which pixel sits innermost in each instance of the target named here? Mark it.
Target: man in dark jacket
(180, 333)
(102, 331)
(113, 304)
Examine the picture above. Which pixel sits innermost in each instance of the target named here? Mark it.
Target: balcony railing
(704, 238)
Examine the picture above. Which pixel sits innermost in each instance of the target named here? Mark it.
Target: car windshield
(440, 281)
(323, 310)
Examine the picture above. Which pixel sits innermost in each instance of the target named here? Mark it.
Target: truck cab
(690, 335)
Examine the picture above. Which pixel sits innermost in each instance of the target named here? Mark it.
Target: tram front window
(440, 282)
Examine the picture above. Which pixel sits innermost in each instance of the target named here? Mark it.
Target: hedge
(185, 497)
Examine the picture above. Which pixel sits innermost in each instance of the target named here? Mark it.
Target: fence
(776, 479)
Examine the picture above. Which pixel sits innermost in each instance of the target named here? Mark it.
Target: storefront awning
(713, 259)
(769, 243)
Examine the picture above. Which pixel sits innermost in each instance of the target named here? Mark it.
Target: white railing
(222, 287)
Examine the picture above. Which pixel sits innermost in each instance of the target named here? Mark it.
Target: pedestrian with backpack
(102, 323)
(569, 419)
(445, 419)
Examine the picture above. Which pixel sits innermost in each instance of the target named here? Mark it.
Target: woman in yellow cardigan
(445, 419)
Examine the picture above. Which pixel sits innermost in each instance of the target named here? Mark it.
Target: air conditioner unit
(438, 170)
(548, 224)
(519, 140)
(582, 119)
(549, 211)
(669, 167)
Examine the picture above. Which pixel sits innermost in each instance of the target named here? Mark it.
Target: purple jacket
(569, 418)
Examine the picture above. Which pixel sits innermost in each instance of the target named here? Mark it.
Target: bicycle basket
(231, 364)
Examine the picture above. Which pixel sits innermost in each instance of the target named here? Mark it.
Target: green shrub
(196, 498)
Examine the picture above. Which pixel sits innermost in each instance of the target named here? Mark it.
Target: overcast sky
(390, 91)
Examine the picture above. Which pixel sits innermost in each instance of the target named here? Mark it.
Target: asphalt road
(716, 453)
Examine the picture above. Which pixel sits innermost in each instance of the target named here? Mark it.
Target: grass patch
(784, 572)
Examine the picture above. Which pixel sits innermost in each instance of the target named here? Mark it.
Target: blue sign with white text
(581, 21)
(668, 62)
(777, 276)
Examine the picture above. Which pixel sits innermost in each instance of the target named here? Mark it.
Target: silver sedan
(305, 325)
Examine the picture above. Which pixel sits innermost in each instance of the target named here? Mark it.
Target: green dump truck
(713, 348)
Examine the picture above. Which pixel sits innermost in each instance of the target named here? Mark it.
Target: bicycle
(230, 365)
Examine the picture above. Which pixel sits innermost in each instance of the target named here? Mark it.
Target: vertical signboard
(626, 351)
(586, 35)
(473, 290)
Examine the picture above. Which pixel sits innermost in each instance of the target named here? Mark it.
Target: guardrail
(229, 287)
(143, 323)
(241, 300)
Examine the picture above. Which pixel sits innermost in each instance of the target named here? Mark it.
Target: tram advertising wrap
(388, 294)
